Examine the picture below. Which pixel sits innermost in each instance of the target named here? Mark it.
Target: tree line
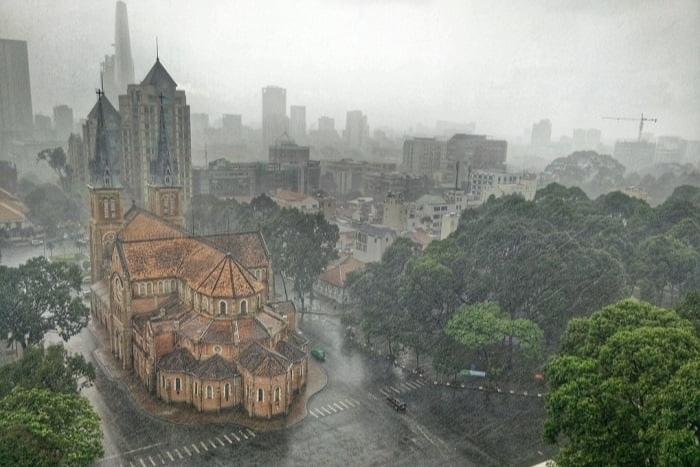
(500, 291)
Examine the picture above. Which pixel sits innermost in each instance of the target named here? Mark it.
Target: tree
(301, 246)
(39, 427)
(40, 296)
(50, 368)
(57, 160)
(624, 389)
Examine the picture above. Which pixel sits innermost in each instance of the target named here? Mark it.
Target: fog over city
(501, 64)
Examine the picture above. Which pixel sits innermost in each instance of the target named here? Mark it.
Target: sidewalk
(185, 414)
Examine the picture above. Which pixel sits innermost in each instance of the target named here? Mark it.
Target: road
(350, 422)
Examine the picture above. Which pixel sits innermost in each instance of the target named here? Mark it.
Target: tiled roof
(228, 278)
(142, 225)
(220, 330)
(373, 230)
(260, 361)
(287, 195)
(249, 330)
(10, 214)
(195, 327)
(154, 249)
(290, 352)
(336, 275)
(272, 324)
(283, 308)
(177, 360)
(215, 368)
(298, 339)
(247, 247)
(107, 108)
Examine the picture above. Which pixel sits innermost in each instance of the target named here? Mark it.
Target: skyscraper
(118, 69)
(124, 64)
(62, 122)
(297, 122)
(356, 130)
(541, 133)
(141, 116)
(274, 115)
(16, 116)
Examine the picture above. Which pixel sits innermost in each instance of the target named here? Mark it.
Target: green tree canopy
(39, 427)
(50, 368)
(621, 391)
(40, 296)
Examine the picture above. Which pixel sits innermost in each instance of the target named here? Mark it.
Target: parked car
(318, 353)
(397, 403)
(37, 242)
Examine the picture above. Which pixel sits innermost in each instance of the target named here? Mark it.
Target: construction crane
(641, 122)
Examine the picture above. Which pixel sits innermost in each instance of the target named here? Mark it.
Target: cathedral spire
(162, 169)
(101, 170)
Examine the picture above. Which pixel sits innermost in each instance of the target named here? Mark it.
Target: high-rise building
(118, 69)
(423, 156)
(585, 140)
(475, 152)
(16, 115)
(670, 149)
(232, 127)
(297, 122)
(635, 154)
(274, 115)
(326, 124)
(141, 115)
(541, 133)
(356, 130)
(62, 122)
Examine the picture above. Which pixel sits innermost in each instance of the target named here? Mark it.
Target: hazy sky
(502, 63)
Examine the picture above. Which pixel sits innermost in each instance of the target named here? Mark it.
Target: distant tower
(356, 130)
(164, 191)
(16, 115)
(297, 122)
(274, 115)
(105, 200)
(124, 63)
(541, 133)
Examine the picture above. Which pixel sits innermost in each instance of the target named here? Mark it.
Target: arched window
(196, 388)
(142, 289)
(178, 385)
(105, 208)
(244, 307)
(205, 304)
(112, 208)
(149, 288)
(166, 208)
(162, 380)
(227, 391)
(277, 395)
(210, 392)
(173, 285)
(260, 395)
(222, 307)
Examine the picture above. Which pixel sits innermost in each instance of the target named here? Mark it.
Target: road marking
(412, 385)
(228, 439)
(132, 464)
(177, 451)
(204, 445)
(394, 389)
(331, 407)
(188, 451)
(170, 456)
(222, 443)
(312, 413)
(349, 402)
(355, 401)
(339, 407)
(195, 448)
(384, 392)
(152, 461)
(237, 438)
(213, 444)
(243, 434)
(323, 410)
(143, 464)
(251, 433)
(343, 404)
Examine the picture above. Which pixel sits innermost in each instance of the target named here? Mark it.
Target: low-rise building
(372, 241)
(331, 282)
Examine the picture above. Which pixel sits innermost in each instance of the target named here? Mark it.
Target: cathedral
(193, 316)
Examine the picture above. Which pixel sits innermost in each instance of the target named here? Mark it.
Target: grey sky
(504, 64)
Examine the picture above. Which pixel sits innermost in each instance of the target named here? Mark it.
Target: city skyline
(403, 63)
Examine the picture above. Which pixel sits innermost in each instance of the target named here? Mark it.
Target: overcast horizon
(402, 62)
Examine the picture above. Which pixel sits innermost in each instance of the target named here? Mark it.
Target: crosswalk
(189, 450)
(403, 387)
(334, 408)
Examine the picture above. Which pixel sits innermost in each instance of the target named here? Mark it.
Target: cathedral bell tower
(105, 190)
(164, 189)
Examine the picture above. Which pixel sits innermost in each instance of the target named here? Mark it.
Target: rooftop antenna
(102, 81)
(157, 57)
